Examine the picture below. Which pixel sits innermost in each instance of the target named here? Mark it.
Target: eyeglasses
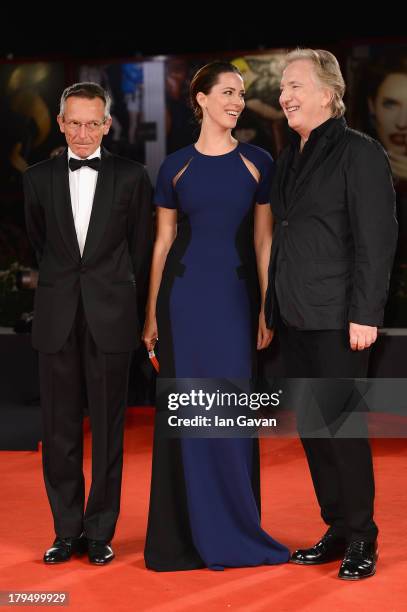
(91, 126)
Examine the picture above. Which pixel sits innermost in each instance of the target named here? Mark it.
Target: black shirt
(298, 158)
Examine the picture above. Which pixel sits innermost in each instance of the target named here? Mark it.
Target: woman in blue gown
(213, 227)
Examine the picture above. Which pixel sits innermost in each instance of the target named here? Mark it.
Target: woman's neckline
(221, 154)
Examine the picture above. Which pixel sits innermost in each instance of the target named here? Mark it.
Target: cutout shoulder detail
(181, 172)
(251, 168)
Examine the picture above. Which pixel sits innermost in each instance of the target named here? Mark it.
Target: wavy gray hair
(328, 72)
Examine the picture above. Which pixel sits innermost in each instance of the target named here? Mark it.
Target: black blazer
(114, 267)
(334, 240)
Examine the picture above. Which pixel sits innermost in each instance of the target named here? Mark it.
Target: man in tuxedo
(88, 216)
(333, 245)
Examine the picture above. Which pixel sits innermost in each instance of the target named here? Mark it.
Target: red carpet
(289, 513)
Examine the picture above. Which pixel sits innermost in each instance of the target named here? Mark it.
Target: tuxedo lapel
(62, 204)
(102, 204)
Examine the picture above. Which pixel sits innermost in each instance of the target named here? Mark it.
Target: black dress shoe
(359, 561)
(330, 547)
(63, 549)
(100, 552)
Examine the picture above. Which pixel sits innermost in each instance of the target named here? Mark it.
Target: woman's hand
(264, 335)
(150, 332)
(398, 165)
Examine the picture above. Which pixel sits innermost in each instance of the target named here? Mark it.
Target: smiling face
(304, 100)
(225, 101)
(390, 111)
(83, 140)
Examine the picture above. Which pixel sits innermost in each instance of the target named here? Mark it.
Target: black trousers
(341, 468)
(76, 376)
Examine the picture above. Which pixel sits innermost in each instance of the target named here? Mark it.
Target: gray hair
(328, 72)
(86, 90)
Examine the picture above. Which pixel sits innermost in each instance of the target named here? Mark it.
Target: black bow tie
(75, 164)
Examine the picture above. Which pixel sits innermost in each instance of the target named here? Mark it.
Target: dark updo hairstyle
(204, 80)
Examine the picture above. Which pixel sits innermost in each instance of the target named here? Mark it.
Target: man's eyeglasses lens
(91, 126)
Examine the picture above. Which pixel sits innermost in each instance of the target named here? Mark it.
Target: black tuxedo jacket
(334, 239)
(111, 275)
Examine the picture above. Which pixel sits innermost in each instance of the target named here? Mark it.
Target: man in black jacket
(333, 245)
(88, 216)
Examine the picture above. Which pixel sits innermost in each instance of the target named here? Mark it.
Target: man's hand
(361, 336)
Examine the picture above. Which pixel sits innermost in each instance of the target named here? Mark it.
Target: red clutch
(153, 358)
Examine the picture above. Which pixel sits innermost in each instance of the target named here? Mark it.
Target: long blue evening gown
(205, 496)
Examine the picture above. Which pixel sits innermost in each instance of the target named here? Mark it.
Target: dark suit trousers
(341, 468)
(76, 376)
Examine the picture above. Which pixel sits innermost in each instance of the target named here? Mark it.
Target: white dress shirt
(82, 185)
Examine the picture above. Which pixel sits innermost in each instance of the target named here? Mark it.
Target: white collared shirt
(82, 185)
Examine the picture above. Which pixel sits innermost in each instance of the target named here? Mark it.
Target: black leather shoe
(100, 552)
(63, 549)
(359, 561)
(329, 548)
